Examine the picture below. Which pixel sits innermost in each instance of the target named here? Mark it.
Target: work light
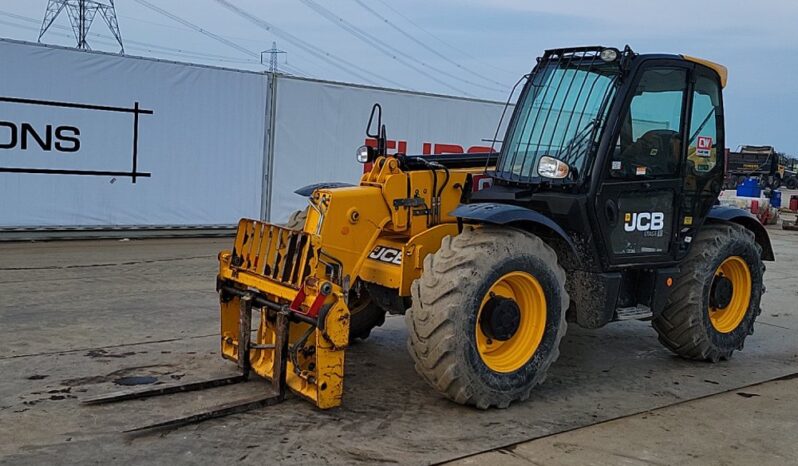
(609, 54)
(363, 154)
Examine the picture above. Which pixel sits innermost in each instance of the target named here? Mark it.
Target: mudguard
(504, 214)
(306, 191)
(742, 217)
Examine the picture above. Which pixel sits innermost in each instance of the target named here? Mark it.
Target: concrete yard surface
(752, 425)
(78, 316)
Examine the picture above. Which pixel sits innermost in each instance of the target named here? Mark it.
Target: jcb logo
(389, 255)
(644, 221)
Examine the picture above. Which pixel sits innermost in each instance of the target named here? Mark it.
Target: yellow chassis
(378, 232)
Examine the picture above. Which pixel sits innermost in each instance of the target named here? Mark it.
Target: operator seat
(657, 150)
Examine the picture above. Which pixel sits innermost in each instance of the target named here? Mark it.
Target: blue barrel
(749, 188)
(775, 198)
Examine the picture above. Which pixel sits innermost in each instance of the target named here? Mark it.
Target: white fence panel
(70, 131)
(318, 126)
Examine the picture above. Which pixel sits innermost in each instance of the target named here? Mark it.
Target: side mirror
(379, 134)
(376, 109)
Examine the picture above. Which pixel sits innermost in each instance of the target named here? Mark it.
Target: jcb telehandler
(601, 208)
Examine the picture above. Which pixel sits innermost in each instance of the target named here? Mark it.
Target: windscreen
(559, 115)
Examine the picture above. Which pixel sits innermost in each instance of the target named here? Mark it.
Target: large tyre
(792, 183)
(715, 299)
(296, 220)
(487, 316)
(365, 313)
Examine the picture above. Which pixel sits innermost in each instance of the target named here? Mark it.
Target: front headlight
(363, 154)
(552, 168)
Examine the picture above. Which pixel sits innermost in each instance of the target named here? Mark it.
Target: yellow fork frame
(313, 269)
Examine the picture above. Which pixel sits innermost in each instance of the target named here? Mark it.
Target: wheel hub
(500, 318)
(720, 295)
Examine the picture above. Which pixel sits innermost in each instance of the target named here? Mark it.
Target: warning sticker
(641, 170)
(616, 164)
(704, 146)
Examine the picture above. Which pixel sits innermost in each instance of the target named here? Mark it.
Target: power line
(385, 48)
(143, 46)
(110, 41)
(160, 50)
(422, 43)
(295, 71)
(196, 28)
(425, 31)
(391, 51)
(81, 16)
(207, 33)
(311, 49)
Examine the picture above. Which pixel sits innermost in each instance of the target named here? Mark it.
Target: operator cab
(621, 150)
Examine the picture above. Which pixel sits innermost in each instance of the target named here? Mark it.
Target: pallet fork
(281, 349)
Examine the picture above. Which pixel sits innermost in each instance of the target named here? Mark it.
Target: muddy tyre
(365, 313)
(716, 296)
(296, 221)
(365, 316)
(487, 316)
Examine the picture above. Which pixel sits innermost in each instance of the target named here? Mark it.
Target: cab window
(649, 143)
(702, 148)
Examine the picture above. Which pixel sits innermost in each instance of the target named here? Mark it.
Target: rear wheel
(792, 183)
(365, 313)
(715, 301)
(488, 315)
(296, 221)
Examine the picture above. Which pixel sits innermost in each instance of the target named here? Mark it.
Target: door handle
(611, 211)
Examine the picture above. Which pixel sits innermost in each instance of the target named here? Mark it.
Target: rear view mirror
(376, 109)
(379, 134)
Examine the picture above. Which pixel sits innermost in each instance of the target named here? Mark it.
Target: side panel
(320, 124)
(645, 223)
(199, 138)
(395, 264)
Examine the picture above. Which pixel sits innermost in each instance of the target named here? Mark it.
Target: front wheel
(715, 298)
(487, 316)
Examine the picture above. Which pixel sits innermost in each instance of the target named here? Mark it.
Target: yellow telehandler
(599, 207)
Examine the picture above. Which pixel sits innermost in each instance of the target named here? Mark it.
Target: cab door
(703, 169)
(639, 194)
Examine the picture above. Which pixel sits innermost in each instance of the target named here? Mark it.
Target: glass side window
(702, 148)
(649, 144)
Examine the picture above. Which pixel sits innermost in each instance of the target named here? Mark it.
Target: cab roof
(722, 71)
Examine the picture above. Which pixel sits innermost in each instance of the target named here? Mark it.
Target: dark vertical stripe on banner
(135, 139)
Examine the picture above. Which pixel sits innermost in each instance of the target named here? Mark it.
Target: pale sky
(470, 47)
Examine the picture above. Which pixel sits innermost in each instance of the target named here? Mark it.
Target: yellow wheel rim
(511, 354)
(726, 319)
